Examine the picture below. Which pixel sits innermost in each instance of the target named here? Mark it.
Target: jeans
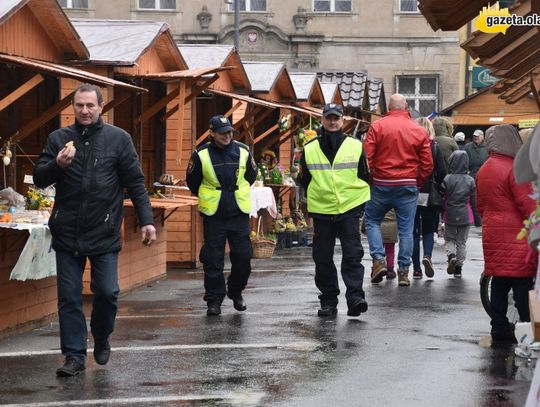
(104, 285)
(217, 231)
(352, 270)
(383, 198)
(426, 223)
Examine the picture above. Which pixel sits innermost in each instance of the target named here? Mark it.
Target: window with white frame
(421, 92)
(332, 5)
(73, 3)
(408, 6)
(248, 5)
(157, 4)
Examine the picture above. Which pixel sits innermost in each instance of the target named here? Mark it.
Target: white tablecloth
(263, 198)
(37, 259)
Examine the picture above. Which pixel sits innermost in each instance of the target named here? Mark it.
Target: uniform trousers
(352, 270)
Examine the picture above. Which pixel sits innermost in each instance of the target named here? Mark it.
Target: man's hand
(148, 234)
(65, 156)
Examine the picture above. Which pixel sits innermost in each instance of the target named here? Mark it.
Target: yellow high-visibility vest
(210, 190)
(335, 188)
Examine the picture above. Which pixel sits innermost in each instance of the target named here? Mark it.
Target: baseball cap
(478, 133)
(332, 108)
(459, 136)
(220, 124)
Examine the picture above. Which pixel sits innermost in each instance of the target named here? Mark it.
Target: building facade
(389, 39)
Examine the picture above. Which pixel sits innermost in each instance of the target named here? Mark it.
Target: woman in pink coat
(503, 206)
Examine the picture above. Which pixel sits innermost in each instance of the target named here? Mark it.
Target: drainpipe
(467, 64)
(237, 25)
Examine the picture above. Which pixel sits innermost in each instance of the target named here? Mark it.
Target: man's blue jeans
(403, 200)
(104, 285)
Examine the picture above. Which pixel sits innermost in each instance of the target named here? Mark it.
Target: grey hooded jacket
(459, 188)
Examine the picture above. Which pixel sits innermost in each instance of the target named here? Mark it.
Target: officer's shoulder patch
(190, 166)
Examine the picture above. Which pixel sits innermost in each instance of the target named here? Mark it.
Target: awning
(67, 72)
(491, 120)
(186, 74)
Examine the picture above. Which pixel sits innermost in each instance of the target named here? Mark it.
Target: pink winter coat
(504, 205)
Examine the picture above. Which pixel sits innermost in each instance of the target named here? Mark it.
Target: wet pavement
(423, 345)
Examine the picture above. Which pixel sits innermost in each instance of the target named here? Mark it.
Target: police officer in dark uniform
(220, 173)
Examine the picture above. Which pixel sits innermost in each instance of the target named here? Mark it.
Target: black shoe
(457, 272)
(357, 308)
(238, 302)
(214, 308)
(327, 311)
(72, 367)
(102, 352)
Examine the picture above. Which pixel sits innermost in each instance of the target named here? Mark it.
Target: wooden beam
(21, 91)
(115, 102)
(45, 117)
(247, 116)
(194, 93)
(535, 87)
(180, 125)
(258, 120)
(228, 114)
(156, 107)
(266, 133)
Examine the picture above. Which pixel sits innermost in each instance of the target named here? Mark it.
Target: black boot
(72, 367)
(102, 351)
(214, 308)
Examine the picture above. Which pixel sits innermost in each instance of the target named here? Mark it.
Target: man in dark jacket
(333, 170)
(91, 163)
(220, 174)
(477, 152)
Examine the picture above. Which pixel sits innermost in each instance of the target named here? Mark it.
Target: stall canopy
(212, 56)
(125, 43)
(307, 88)
(450, 15)
(270, 80)
(49, 23)
(331, 92)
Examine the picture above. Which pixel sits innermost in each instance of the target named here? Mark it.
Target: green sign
(481, 77)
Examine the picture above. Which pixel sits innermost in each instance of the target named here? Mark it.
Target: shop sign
(481, 77)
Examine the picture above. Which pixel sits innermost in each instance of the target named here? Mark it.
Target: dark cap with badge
(220, 124)
(332, 108)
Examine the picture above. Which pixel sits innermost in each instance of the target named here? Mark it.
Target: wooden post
(180, 128)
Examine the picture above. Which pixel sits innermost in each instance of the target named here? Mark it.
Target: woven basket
(262, 248)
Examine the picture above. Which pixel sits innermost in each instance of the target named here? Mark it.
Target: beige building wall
(375, 36)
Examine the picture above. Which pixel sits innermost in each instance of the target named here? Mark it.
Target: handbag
(435, 198)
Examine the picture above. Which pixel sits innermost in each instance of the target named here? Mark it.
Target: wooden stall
(36, 40)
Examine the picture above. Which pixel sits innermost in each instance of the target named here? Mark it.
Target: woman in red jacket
(503, 206)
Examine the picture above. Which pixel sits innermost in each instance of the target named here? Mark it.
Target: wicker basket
(262, 248)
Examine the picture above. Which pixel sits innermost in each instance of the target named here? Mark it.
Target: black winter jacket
(88, 209)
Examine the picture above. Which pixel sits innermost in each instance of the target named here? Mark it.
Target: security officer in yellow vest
(335, 175)
(220, 173)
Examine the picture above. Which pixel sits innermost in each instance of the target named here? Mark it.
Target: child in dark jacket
(459, 189)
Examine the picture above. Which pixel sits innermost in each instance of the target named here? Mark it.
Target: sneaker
(417, 274)
(102, 352)
(428, 267)
(457, 272)
(327, 311)
(214, 308)
(72, 367)
(390, 274)
(451, 263)
(357, 308)
(378, 271)
(403, 278)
